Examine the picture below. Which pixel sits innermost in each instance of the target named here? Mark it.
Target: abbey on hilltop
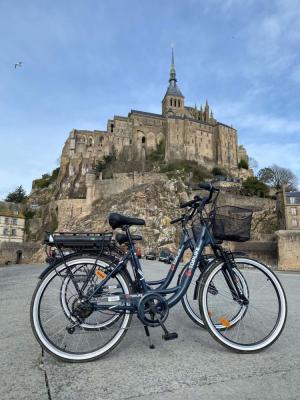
(187, 133)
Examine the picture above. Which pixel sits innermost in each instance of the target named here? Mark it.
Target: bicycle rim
(50, 322)
(264, 317)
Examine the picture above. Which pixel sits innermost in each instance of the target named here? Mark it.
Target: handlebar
(197, 202)
(191, 202)
(174, 221)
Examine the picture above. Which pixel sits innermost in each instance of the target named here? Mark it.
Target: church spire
(172, 69)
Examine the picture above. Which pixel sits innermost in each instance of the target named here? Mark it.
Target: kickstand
(151, 345)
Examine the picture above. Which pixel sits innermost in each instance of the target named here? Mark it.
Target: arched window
(90, 141)
(178, 103)
(143, 139)
(171, 102)
(174, 102)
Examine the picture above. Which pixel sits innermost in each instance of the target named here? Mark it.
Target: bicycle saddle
(117, 220)
(122, 238)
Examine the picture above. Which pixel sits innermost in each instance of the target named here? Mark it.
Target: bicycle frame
(177, 291)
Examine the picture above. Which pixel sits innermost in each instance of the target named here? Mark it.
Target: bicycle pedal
(170, 336)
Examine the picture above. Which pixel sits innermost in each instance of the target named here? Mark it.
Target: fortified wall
(98, 188)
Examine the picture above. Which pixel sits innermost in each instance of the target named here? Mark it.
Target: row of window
(8, 232)
(293, 200)
(13, 221)
(175, 102)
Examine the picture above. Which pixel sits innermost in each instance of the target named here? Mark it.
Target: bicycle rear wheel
(56, 330)
(264, 312)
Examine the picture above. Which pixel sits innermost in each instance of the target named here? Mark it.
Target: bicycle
(114, 294)
(107, 251)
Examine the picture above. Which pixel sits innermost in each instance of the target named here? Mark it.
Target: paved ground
(192, 367)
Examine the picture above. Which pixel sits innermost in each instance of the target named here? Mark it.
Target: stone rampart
(288, 249)
(104, 188)
(11, 252)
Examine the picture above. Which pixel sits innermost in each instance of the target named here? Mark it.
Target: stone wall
(288, 249)
(105, 188)
(263, 250)
(69, 209)
(8, 252)
(254, 203)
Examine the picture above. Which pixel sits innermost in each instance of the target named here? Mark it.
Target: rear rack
(79, 240)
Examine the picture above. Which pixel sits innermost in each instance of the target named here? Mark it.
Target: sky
(86, 61)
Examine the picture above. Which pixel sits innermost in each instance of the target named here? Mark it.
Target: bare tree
(276, 176)
(253, 164)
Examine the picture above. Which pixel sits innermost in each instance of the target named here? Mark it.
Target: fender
(53, 265)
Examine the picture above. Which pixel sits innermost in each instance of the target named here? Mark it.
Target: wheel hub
(81, 308)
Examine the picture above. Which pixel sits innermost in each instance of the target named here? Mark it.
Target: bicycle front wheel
(261, 317)
(190, 300)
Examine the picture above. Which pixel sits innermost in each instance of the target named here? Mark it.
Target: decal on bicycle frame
(173, 265)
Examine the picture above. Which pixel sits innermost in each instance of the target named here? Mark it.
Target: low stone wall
(288, 250)
(255, 203)
(8, 252)
(264, 251)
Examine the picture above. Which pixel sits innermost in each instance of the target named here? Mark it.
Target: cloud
(283, 154)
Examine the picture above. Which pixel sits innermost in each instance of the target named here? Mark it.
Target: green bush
(243, 164)
(254, 187)
(159, 153)
(217, 171)
(28, 214)
(42, 183)
(54, 174)
(198, 172)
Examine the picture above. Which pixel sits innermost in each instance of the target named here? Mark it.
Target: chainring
(153, 309)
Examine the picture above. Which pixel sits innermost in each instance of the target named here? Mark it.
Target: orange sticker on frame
(101, 275)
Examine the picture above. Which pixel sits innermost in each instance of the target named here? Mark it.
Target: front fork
(232, 280)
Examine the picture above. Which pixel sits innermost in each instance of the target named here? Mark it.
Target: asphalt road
(192, 367)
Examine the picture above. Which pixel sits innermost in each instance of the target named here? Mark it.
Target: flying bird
(19, 64)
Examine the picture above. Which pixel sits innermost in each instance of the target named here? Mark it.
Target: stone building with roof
(187, 133)
(288, 209)
(12, 222)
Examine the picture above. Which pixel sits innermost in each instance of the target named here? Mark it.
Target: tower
(173, 100)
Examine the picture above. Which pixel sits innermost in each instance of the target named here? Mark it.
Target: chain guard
(153, 309)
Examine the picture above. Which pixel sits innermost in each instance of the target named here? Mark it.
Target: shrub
(254, 187)
(217, 171)
(198, 172)
(159, 153)
(243, 164)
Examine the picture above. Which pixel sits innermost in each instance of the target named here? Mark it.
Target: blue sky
(85, 61)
